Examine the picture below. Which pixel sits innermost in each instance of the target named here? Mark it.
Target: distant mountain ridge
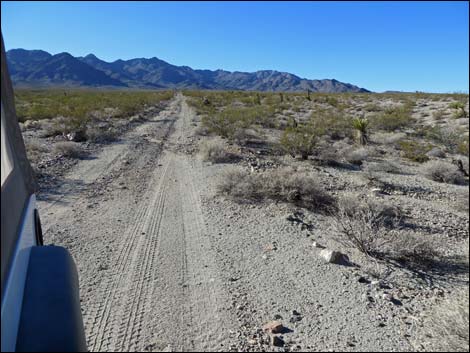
(38, 68)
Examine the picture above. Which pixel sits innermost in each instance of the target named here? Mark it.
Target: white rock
(334, 257)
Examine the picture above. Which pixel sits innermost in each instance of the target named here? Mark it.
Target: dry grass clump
(357, 156)
(447, 326)
(101, 134)
(34, 150)
(69, 149)
(414, 150)
(287, 185)
(374, 228)
(443, 172)
(385, 167)
(215, 151)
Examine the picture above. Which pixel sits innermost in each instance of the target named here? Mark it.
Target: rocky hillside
(35, 68)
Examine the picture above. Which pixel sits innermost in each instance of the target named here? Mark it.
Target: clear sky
(380, 46)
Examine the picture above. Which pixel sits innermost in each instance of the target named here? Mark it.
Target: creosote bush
(298, 140)
(415, 150)
(375, 229)
(287, 185)
(392, 119)
(215, 151)
(443, 172)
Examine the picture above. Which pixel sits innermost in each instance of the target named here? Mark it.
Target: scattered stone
(334, 257)
(273, 327)
(277, 341)
(363, 280)
(317, 245)
(376, 191)
(76, 136)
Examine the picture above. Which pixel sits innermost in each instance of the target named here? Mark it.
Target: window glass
(6, 156)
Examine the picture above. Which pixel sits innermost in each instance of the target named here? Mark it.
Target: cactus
(282, 97)
(308, 95)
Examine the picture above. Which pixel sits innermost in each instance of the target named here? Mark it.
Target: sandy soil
(164, 264)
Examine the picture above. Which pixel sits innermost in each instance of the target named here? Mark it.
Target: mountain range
(38, 68)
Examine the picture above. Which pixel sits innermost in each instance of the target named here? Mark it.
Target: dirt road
(131, 217)
(165, 265)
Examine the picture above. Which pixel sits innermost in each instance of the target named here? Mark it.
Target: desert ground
(245, 221)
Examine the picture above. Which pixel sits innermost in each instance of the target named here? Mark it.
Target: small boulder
(334, 257)
(76, 136)
(273, 327)
(277, 341)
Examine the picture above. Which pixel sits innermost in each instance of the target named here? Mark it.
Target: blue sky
(380, 46)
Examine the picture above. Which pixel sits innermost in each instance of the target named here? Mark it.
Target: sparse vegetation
(357, 156)
(299, 140)
(415, 150)
(69, 149)
(364, 226)
(442, 172)
(288, 185)
(82, 104)
(215, 151)
(460, 109)
(375, 229)
(392, 119)
(447, 324)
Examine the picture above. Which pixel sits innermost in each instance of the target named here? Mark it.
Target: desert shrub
(361, 127)
(460, 109)
(362, 228)
(326, 122)
(69, 149)
(384, 166)
(298, 140)
(51, 103)
(436, 152)
(414, 150)
(392, 119)
(243, 136)
(357, 156)
(215, 151)
(442, 172)
(229, 120)
(448, 137)
(447, 324)
(439, 114)
(372, 107)
(375, 229)
(34, 150)
(101, 134)
(287, 185)
(412, 249)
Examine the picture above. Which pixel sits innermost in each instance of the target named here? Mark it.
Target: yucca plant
(361, 126)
